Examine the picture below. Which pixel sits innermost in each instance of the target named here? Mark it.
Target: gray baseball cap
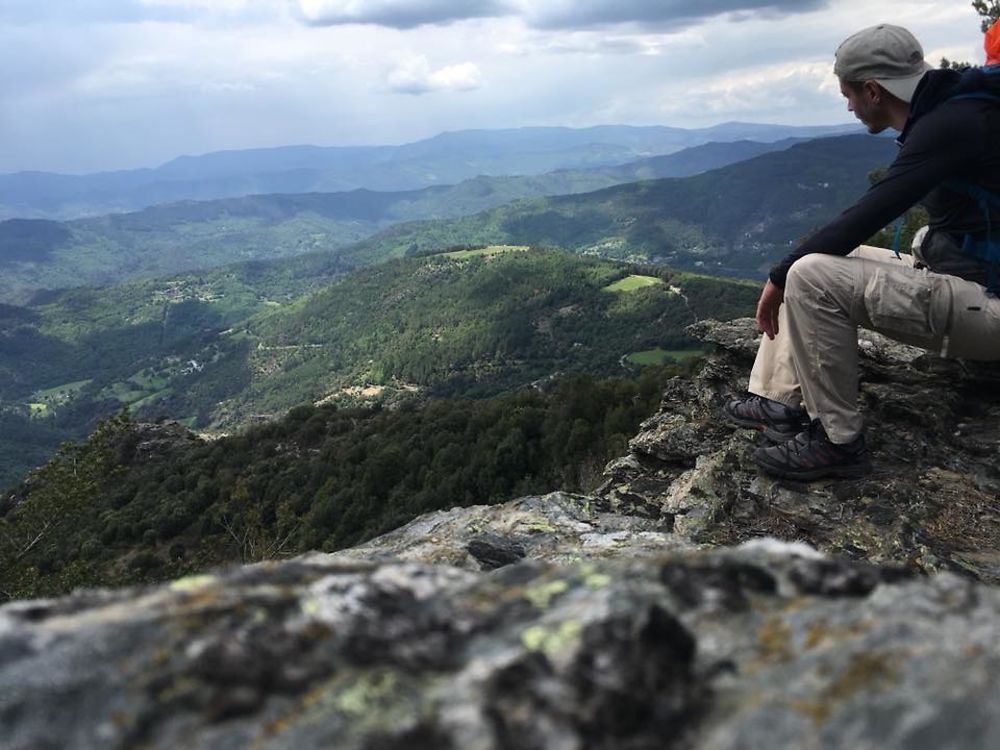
(889, 55)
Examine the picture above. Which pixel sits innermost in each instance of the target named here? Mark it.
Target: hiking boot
(778, 422)
(810, 455)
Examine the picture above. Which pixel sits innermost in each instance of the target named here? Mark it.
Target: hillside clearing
(633, 282)
(486, 251)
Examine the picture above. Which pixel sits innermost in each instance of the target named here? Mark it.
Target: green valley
(137, 503)
(216, 353)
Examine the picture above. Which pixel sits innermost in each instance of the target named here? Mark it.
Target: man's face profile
(864, 101)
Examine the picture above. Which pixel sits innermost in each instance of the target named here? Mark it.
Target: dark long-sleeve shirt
(945, 137)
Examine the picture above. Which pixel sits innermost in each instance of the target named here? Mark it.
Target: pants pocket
(975, 326)
(907, 307)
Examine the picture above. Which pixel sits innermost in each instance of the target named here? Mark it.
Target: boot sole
(768, 431)
(846, 471)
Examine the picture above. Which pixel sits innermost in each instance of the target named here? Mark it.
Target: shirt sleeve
(938, 147)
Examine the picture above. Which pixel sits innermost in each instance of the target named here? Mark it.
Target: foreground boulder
(678, 606)
(767, 645)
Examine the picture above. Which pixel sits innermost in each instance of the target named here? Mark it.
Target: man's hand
(767, 308)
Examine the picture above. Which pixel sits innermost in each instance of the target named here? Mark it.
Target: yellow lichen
(821, 631)
(597, 580)
(366, 692)
(541, 596)
(192, 583)
(865, 672)
(592, 577)
(774, 639)
(551, 640)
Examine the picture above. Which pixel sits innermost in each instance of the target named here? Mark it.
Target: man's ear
(873, 92)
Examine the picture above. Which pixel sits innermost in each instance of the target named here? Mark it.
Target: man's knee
(812, 272)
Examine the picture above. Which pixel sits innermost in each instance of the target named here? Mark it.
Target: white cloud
(90, 84)
(209, 6)
(414, 75)
(750, 93)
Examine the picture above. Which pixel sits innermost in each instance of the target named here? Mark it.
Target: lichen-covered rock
(559, 527)
(768, 645)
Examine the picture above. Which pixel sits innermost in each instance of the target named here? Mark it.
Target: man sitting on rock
(804, 382)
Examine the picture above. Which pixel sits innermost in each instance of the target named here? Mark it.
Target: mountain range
(224, 344)
(736, 220)
(173, 238)
(445, 159)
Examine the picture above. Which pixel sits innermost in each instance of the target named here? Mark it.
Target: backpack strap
(989, 250)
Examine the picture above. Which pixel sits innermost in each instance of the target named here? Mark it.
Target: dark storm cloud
(542, 14)
(399, 14)
(578, 14)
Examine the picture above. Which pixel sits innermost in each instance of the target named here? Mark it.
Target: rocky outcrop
(688, 603)
(933, 502)
(146, 441)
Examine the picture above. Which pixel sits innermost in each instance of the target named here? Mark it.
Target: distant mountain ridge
(736, 220)
(445, 159)
(195, 235)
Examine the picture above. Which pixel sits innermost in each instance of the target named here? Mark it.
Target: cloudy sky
(88, 85)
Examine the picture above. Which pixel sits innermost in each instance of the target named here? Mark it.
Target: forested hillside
(147, 503)
(216, 351)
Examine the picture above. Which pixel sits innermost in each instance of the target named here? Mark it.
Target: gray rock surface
(933, 501)
(688, 603)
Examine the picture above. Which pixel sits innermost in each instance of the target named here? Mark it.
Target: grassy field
(142, 388)
(631, 283)
(663, 356)
(42, 402)
(151, 399)
(60, 392)
(491, 250)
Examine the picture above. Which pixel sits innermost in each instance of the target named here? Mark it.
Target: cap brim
(903, 88)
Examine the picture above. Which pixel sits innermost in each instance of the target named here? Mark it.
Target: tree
(990, 11)
(62, 495)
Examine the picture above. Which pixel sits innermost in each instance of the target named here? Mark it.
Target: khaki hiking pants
(813, 361)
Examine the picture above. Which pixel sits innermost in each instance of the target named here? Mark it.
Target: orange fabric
(992, 44)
